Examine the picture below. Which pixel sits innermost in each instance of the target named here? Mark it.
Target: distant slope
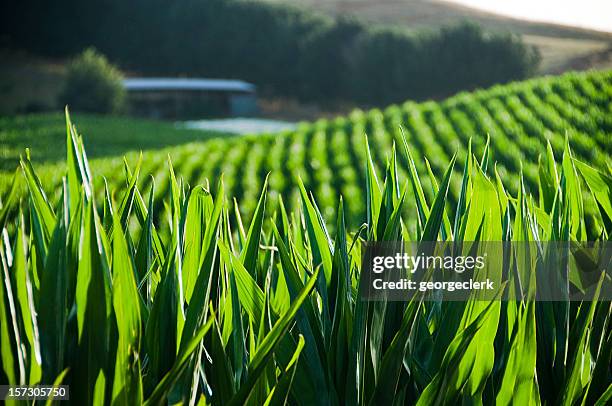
(329, 154)
(560, 45)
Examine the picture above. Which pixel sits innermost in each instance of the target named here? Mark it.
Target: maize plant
(195, 306)
(515, 122)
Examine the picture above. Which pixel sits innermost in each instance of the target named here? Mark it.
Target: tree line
(285, 50)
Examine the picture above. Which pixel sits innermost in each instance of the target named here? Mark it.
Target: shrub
(93, 84)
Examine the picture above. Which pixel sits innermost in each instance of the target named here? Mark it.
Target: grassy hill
(329, 154)
(563, 48)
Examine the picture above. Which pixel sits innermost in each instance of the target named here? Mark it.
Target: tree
(93, 84)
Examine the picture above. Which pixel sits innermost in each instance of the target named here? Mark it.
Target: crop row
(517, 120)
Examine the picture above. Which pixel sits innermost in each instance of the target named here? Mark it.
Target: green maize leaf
(127, 383)
(483, 223)
(421, 202)
(373, 193)
(175, 197)
(249, 293)
(197, 311)
(199, 204)
(418, 356)
(302, 389)
(264, 382)
(145, 258)
(450, 319)
(222, 375)
(280, 392)
(283, 226)
(340, 297)
(236, 332)
(13, 362)
(127, 202)
(390, 368)
(107, 210)
(601, 188)
(356, 380)
(25, 299)
(446, 232)
(597, 385)
(484, 217)
(93, 302)
(393, 231)
(99, 389)
(319, 239)
(297, 233)
(578, 364)
(388, 201)
(435, 219)
(501, 194)
(518, 380)
(241, 232)
(73, 224)
(248, 255)
(42, 212)
(176, 200)
(378, 313)
(7, 203)
(142, 213)
(162, 329)
(463, 193)
(307, 322)
(484, 162)
(504, 207)
(270, 342)
(78, 176)
(182, 360)
(548, 179)
(280, 300)
(322, 251)
(459, 359)
(53, 300)
(573, 194)
(605, 398)
(59, 380)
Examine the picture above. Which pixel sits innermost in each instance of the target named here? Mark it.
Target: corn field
(203, 308)
(514, 122)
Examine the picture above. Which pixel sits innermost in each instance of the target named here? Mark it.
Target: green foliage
(516, 124)
(96, 295)
(93, 85)
(285, 50)
(45, 136)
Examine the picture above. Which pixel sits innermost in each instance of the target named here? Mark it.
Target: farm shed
(182, 98)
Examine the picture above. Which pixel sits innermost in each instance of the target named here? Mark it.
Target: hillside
(562, 48)
(329, 154)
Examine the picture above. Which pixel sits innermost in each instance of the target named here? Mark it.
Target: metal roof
(227, 85)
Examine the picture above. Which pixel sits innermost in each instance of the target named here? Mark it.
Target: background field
(45, 136)
(329, 155)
